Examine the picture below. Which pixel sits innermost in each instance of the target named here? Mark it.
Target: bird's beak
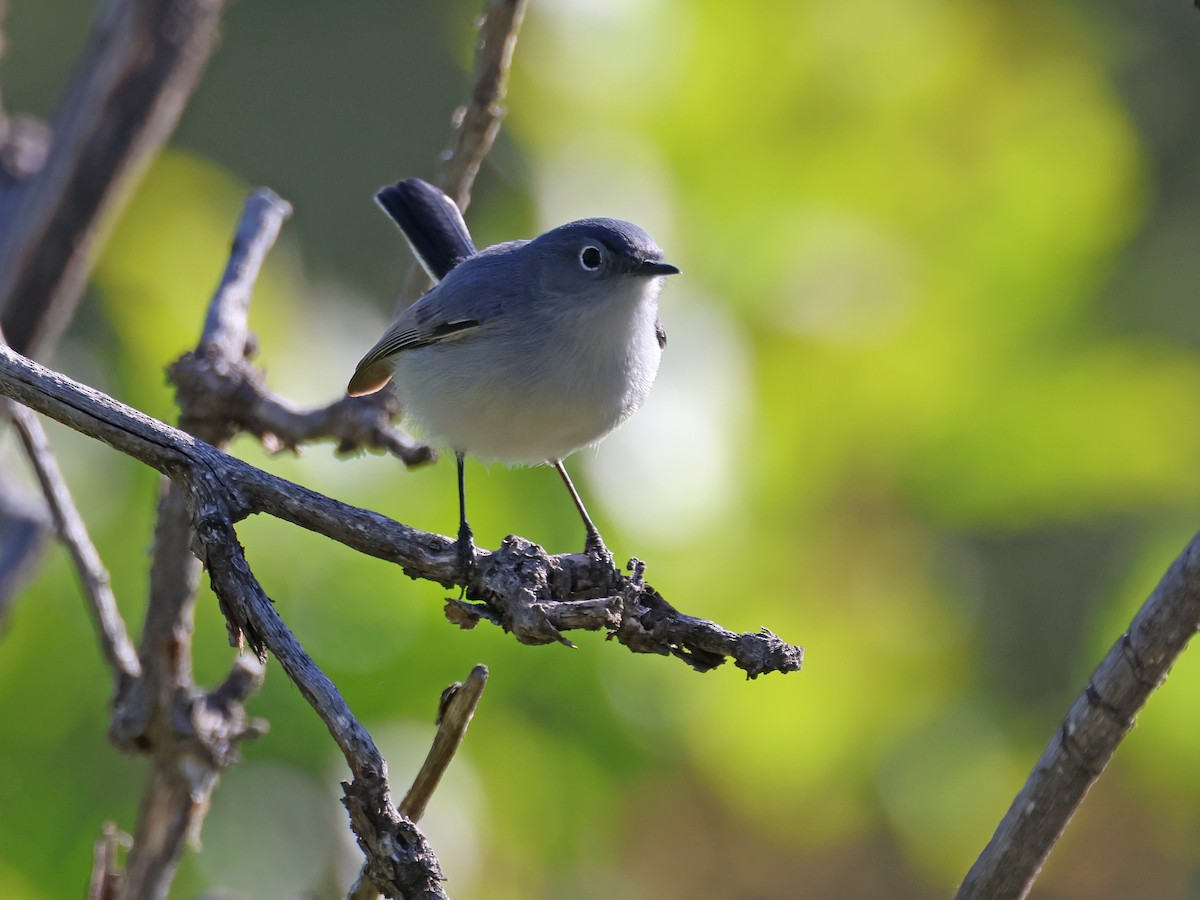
(657, 268)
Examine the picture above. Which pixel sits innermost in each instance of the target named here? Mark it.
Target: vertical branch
(177, 793)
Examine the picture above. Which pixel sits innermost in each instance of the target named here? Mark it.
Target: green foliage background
(929, 409)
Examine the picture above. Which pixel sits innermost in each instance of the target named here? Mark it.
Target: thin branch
(187, 760)
(106, 871)
(221, 393)
(457, 708)
(1089, 735)
(142, 63)
(455, 711)
(398, 856)
(477, 123)
(236, 396)
(114, 638)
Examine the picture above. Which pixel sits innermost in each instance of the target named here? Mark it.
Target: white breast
(537, 387)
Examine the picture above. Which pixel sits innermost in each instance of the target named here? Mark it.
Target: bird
(522, 352)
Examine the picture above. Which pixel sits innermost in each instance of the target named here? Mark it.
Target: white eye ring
(591, 258)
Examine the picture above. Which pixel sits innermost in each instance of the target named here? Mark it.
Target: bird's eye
(590, 258)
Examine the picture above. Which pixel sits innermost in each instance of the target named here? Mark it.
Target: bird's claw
(594, 547)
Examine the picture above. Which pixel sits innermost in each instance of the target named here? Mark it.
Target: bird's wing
(375, 370)
(431, 223)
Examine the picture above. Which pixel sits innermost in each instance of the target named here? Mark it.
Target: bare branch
(114, 638)
(455, 711)
(187, 760)
(457, 708)
(524, 577)
(398, 857)
(221, 393)
(142, 62)
(478, 122)
(106, 872)
(1087, 738)
(236, 396)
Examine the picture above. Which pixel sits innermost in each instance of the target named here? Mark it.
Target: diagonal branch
(454, 715)
(114, 639)
(1089, 735)
(142, 62)
(455, 711)
(398, 856)
(477, 123)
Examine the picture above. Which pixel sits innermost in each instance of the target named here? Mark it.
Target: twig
(114, 638)
(1087, 738)
(457, 707)
(455, 711)
(221, 393)
(477, 123)
(237, 396)
(142, 62)
(106, 872)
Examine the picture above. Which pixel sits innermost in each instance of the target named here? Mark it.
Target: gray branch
(455, 711)
(1089, 735)
(477, 123)
(195, 520)
(189, 735)
(142, 62)
(221, 393)
(513, 586)
(114, 638)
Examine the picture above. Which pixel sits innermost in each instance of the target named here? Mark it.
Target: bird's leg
(594, 546)
(466, 540)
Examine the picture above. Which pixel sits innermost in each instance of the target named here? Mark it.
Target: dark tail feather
(431, 222)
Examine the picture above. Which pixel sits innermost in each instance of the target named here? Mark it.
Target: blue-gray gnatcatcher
(523, 352)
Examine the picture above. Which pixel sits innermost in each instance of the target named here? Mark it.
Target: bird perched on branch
(525, 351)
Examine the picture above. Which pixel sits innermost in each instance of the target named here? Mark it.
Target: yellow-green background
(931, 408)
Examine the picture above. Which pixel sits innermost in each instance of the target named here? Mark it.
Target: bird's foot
(594, 547)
